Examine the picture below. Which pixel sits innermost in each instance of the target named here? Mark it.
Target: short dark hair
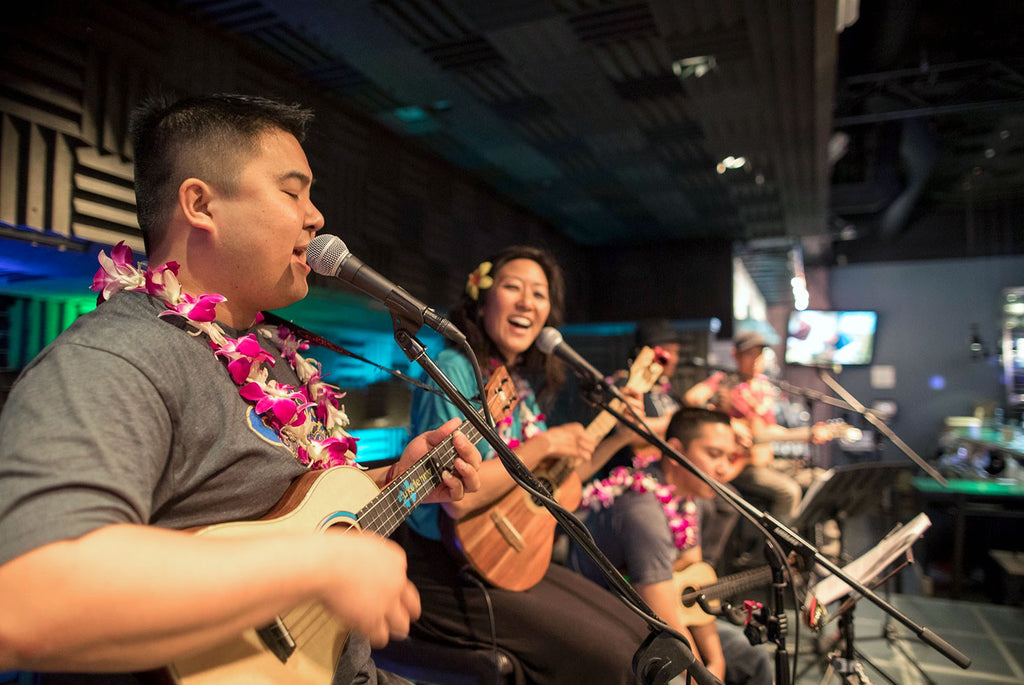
(467, 316)
(650, 332)
(687, 423)
(208, 137)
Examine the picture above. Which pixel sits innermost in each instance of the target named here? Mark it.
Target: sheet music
(870, 565)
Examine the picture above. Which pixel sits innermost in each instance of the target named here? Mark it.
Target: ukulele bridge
(508, 531)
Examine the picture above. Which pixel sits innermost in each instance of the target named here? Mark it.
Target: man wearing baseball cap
(750, 401)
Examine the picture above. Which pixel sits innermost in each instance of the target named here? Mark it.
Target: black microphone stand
(781, 540)
(665, 653)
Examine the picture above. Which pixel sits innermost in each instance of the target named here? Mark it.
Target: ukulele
(699, 579)
(304, 644)
(509, 542)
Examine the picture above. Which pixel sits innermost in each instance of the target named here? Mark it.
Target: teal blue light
(599, 329)
(376, 444)
(411, 114)
(34, 322)
(361, 326)
(617, 328)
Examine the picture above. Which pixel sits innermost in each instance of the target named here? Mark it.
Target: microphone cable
(467, 574)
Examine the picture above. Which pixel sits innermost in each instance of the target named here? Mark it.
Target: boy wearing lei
(171, 406)
(646, 519)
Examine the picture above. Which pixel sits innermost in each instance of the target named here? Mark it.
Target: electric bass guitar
(699, 579)
(509, 542)
(304, 644)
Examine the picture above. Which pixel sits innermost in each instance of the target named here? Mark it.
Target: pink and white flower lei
(309, 419)
(680, 512)
(530, 424)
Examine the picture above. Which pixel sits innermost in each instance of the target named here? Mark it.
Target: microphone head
(325, 253)
(548, 340)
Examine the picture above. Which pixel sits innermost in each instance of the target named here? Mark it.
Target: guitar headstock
(842, 431)
(646, 369)
(500, 394)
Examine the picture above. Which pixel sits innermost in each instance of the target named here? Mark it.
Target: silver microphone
(550, 342)
(328, 256)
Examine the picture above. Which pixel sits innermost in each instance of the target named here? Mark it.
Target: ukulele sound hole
(548, 488)
(339, 526)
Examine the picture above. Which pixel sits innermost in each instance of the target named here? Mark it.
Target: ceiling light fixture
(730, 162)
(694, 67)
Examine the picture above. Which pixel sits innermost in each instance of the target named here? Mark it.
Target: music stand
(870, 565)
(845, 491)
(865, 569)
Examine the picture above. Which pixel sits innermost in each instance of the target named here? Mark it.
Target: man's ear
(675, 444)
(194, 197)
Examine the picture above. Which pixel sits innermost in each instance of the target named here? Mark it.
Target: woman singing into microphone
(564, 628)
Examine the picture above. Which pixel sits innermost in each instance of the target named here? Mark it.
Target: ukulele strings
(314, 616)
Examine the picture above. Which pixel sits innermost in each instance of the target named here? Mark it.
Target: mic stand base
(660, 658)
(890, 633)
(843, 662)
(849, 672)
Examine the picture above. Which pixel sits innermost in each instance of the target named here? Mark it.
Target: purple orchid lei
(680, 512)
(309, 418)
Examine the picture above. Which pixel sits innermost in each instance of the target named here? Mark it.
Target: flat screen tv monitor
(826, 338)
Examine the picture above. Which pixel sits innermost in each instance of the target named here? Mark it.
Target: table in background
(992, 498)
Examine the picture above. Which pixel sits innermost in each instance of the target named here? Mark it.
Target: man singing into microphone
(171, 407)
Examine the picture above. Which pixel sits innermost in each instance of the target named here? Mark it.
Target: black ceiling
(931, 97)
(596, 114)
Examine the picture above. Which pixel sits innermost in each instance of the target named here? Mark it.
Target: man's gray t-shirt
(635, 536)
(127, 418)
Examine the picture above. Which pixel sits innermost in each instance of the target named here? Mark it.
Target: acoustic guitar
(760, 452)
(509, 542)
(835, 429)
(699, 579)
(304, 644)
